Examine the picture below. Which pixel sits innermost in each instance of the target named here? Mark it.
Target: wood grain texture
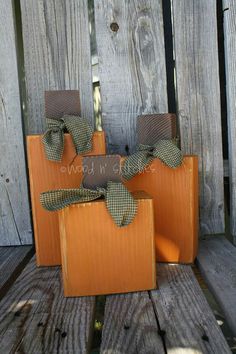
(15, 228)
(132, 322)
(131, 66)
(198, 99)
(230, 61)
(36, 318)
(113, 260)
(184, 314)
(57, 54)
(12, 260)
(175, 197)
(53, 175)
(217, 262)
(130, 325)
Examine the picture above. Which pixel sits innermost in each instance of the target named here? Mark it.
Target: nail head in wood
(126, 327)
(205, 338)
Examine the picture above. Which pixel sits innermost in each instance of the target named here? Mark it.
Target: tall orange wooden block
(175, 194)
(98, 257)
(49, 175)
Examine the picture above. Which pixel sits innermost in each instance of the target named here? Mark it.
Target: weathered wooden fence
(133, 79)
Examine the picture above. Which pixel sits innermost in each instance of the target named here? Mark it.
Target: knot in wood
(114, 27)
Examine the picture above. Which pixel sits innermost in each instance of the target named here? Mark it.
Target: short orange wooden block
(49, 175)
(175, 194)
(98, 257)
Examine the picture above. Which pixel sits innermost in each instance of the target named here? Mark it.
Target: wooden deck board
(184, 314)
(130, 325)
(12, 260)
(217, 263)
(36, 318)
(181, 310)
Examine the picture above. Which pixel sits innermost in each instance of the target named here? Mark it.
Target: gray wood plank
(132, 68)
(184, 314)
(229, 7)
(130, 325)
(133, 322)
(198, 100)
(15, 228)
(12, 261)
(217, 263)
(36, 318)
(57, 54)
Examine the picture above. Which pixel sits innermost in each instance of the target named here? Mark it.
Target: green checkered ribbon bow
(119, 202)
(165, 150)
(53, 139)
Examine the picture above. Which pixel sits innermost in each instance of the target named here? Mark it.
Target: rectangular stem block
(47, 175)
(99, 257)
(175, 195)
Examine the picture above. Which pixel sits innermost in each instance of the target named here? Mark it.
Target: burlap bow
(165, 150)
(119, 202)
(53, 139)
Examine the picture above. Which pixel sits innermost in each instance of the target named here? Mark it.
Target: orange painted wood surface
(98, 257)
(175, 194)
(47, 175)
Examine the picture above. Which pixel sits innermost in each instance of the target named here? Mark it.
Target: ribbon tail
(120, 204)
(168, 153)
(59, 199)
(81, 133)
(135, 164)
(53, 141)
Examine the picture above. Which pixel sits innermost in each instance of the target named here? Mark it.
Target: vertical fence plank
(229, 7)
(132, 68)
(57, 54)
(15, 228)
(198, 100)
